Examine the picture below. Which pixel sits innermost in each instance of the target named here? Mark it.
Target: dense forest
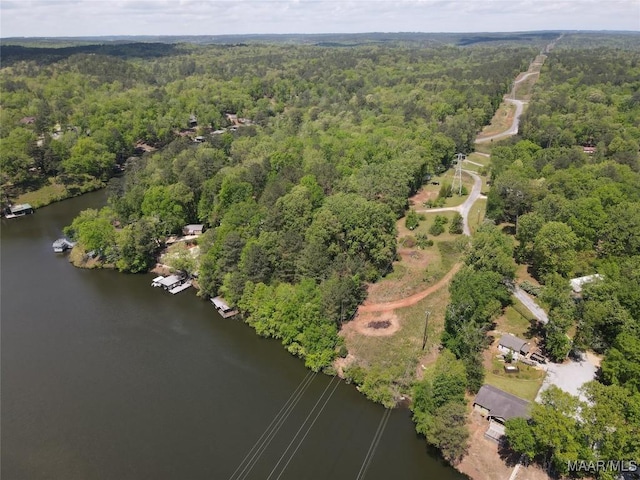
(300, 199)
(299, 159)
(570, 187)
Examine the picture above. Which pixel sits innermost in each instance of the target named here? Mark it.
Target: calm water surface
(105, 377)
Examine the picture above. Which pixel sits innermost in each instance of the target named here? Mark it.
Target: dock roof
(220, 303)
(170, 280)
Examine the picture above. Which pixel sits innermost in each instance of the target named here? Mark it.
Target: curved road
(465, 207)
(513, 129)
(515, 124)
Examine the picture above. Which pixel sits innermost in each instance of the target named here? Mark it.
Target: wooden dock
(180, 288)
(223, 307)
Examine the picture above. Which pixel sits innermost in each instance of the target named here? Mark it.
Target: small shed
(498, 405)
(193, 229)
(514, 345)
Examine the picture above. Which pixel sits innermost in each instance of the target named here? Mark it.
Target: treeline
(119, 101)
(301, 204)
(576, 213)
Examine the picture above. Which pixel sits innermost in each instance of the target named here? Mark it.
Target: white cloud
(215, 17)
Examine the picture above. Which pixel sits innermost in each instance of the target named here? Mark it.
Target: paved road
(513, 129)
(515, 124)
(531, 305)
(465, 207)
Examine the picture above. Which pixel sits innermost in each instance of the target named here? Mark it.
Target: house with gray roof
(514, 345)
(498, 405)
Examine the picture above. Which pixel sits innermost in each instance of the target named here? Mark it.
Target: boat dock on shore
(62, 244)
(223, 308)
(172, 283)
(20, 210)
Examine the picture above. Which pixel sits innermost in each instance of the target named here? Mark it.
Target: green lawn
(516, 320)
(524, 384)
(447, 177)
(57, 191)
(477, 213)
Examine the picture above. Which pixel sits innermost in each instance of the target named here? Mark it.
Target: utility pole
(426, 324)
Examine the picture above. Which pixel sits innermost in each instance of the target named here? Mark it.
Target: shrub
(412, 220)
(438, 225)
(423, 242)
(456, 226)
(408, 241)
(445, 191)
(530, 288)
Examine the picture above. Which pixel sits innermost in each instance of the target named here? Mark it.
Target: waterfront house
(498, 406)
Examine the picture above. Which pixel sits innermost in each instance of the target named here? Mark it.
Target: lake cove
(105, 377)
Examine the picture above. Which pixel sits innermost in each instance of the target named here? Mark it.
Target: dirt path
(412, 299)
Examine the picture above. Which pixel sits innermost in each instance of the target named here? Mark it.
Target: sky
(56, 18)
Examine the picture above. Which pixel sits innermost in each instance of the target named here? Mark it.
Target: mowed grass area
(524, 384)
(477, 214)
(56, 191)
(514, 320)
(447, 177)
(402, 353)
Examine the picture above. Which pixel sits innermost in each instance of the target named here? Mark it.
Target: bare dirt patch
(422, 196)
(374, 324)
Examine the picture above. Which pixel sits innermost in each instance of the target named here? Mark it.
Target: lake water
(105, 377)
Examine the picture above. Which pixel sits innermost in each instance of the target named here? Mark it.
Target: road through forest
(464, 210)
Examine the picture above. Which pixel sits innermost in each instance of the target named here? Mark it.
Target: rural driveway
(531, 305)
(569, 377)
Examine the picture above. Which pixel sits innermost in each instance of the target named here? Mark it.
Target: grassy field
(524, 384)
(56, 191)
(447, 177)
(513, 321)
(402, 353)
(476, 214)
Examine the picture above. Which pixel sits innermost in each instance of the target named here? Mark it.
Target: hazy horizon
(102, 18)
